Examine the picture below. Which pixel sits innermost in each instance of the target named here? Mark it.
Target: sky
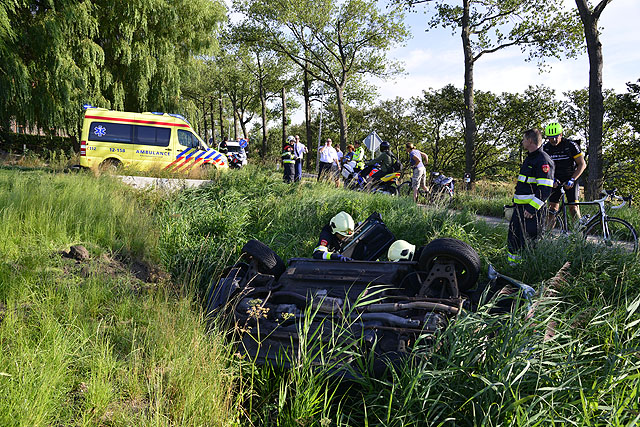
(433, 59)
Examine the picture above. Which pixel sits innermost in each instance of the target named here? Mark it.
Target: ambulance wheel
(268, 261)
(110, 165)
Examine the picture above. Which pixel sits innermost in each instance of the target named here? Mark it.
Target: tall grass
(87, 343)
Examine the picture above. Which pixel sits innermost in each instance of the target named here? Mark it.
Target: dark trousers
(324, 168)
(289, 172)
(523, 230)
(298, 175)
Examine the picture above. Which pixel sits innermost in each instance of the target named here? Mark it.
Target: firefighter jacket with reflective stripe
(359, 158)
(287, 154)
(535, 181)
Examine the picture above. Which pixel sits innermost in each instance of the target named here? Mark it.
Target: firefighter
(288, 160)
(534, 186)
(338, 230)
(401, 250)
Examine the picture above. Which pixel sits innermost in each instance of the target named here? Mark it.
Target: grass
(89, 343)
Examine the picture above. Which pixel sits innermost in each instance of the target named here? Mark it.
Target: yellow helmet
(553, 129)
(401, 250)
(343, 224)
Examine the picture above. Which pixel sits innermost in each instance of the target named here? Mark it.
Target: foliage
(124, 55)
(332, 41)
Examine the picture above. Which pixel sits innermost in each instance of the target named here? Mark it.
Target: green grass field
(92, 343)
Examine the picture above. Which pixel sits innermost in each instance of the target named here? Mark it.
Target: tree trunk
(235, 121)
(222, 135)
(596, 100)
(284, 116)
(342, 117)
(470, 128)
(213, 126)
(307, 113)
(204, 119)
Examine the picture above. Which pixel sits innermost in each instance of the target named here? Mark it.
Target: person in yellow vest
(359, 156)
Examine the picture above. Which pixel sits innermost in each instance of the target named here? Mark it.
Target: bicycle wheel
(405, 189)
(621, 235)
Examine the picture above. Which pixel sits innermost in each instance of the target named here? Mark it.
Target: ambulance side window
(188, 139)
(111, 132)
(150, 135)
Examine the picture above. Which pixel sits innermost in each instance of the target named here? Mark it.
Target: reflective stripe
(522, 198)
(527, 179)
(321, 248)
(326, 255)
(545, 182)
(536, 203)
(288, 161)
(513, 258)
(578, 155)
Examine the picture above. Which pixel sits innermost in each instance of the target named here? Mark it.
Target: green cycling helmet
(553, 129)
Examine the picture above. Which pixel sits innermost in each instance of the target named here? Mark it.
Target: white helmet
(401, 250)
(290, 138)
(343, 224)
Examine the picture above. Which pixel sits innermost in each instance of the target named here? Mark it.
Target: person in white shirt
(300, 150)
(328, 157)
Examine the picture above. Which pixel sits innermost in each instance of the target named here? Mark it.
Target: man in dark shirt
(570, 164)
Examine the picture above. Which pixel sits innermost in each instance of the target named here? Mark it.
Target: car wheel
(268, 261)
(465, 259)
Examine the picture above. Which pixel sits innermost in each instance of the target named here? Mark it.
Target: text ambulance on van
(144, 141)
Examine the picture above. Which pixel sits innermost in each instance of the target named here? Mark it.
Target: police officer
(288, 160)
(358, 156)
(339, 229)
(534, 186)
(570, 164)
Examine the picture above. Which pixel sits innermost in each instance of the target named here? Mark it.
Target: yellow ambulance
(143, 141)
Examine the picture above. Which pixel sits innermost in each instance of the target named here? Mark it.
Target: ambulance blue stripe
(191, 154)
(210, 154)
(217, 157)
(200, 155)
(180, 155)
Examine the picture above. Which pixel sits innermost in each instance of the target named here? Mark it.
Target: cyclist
(570, 164)
(339, 229)
(534, 186)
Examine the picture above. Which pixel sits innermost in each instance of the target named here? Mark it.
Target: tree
(590, 17)
(488, 26)
(333, 41)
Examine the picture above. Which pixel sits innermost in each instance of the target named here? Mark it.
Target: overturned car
(334, 310)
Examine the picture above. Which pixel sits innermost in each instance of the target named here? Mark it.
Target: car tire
(110, 165)
(465, 258)
(268, 261)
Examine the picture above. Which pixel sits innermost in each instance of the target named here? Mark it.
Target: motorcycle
(237, 159)
(364, 180)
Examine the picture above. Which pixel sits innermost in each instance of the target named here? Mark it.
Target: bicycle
(601, 228)
(439, 190)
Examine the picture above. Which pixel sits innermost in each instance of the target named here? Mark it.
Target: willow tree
(543, 28)
(332, 40)
(48, 62)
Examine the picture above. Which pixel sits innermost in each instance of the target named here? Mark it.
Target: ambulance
(144, 141)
